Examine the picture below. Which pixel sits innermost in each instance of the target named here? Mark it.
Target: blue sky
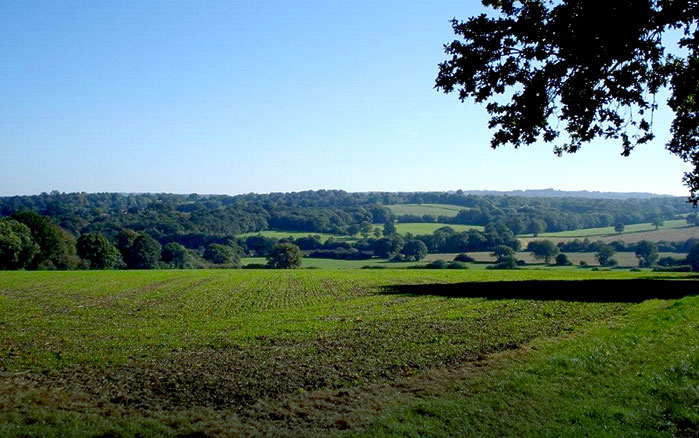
(261, 96)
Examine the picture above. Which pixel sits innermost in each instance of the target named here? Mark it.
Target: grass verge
(636, 376)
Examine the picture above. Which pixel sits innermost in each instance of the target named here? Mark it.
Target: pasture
(422, 209)
(321, 352)
(320, 263)
(429, 228)
(671, 231)
(624, 258)
(608, 231)
(281, 234)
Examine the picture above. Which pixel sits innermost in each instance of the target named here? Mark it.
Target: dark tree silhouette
(592, 69)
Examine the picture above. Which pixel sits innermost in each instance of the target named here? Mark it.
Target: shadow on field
(598, 291)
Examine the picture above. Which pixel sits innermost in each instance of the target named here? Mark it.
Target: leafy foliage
(285, 256)
(414, 250)
(543, 249)
(96, 249)
(221, 254)
(176, 256)
(17, 249)
(647, 253)
(604, 254)
(594, 67)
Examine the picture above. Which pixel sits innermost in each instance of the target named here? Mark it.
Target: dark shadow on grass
(598, 291)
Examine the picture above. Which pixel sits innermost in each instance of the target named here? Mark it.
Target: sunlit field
(322, 352)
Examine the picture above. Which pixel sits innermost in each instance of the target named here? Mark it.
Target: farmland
(320, 263)
(316, 352)
(422, 209)
(429, 228)
(624, 258)
(607, 231)
(281, 234)
(671, 231)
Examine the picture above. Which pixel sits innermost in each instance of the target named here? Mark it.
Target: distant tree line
(195, 217)
(143, 231)
(557, 215)
(587, 245)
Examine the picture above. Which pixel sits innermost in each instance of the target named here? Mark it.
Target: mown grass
(168, 352)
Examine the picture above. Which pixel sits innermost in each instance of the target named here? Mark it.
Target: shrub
(504, 263)
(340, 254)
(677, 268)
(668, 261)
(456, 265)
(464, 258)
(255, 266)
(437, 264)
(562, 260)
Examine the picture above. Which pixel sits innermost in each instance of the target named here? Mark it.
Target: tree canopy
(17, 249)
(543, 249)
(591, 69)
(101, 254)
(647, 253)
(285, 256)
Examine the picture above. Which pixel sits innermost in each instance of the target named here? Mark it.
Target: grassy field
(606, 231)
(633, 377)
(296, 234)
(429, 228)
(624, 258)
(336, 264)
(321, 352)
(422, 209)
(668, 235)
(671, 231)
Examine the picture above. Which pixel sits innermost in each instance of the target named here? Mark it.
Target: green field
(422, 209)
(624, 258)
(297, 234)
(321, 352)
(429, 228)
(607, 231)
(308, 262)
(627, 259)
(671, 231)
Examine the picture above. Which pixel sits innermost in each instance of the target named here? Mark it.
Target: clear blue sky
(259, 96)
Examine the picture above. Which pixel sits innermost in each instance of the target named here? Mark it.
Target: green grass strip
(637, 376)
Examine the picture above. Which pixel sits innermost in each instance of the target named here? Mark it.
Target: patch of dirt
(281, 386)
(251, 393)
